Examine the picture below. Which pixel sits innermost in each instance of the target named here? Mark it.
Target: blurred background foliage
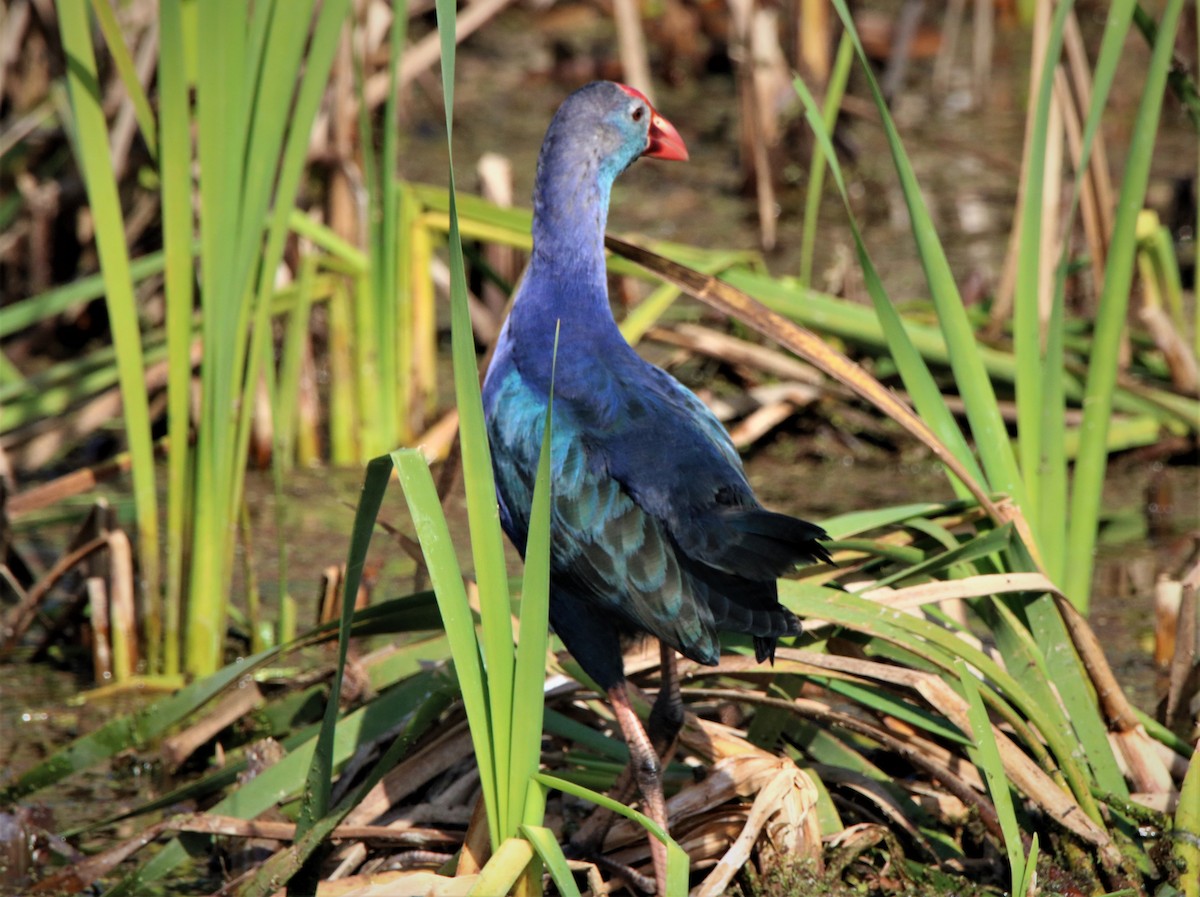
(226, 245)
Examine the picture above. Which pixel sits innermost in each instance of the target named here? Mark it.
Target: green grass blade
(1187, 828)
(320, 774)
(95, 161)
(942, 647)
(530, 669)
(834, 91)
(220, 139)
(983, 414)
(1092, 462)
(457, 619)
(107, 19)
(1072, 683)
(987, 759)
(677, 860)
(987, 543)
(552, 855)
(856, 522)
(1034, 356)
(1029, 879)
(487, 540)
(179, 276)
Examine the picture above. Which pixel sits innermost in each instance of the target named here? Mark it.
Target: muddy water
(965, 147)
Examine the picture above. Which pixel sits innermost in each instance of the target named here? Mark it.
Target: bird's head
(658, 137)
(618, 124)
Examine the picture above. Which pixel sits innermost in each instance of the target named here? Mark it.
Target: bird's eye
(638, 112)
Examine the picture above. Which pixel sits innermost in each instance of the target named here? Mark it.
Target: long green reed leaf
(107, 19)
(677, 859)
(482, 511)
(1092, 463)
(457, 619)
(96, 163)
(983, 414)
(179, 277)
(834, 91)
(941, 647)
(318, 783)
(1187, 828)
(222, 110)
(552, 855)
(529, 675)
(986, 755)
(1033, 342)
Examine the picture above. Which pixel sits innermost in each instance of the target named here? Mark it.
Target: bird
(655, 529)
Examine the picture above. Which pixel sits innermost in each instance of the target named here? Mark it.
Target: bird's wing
(676, 459)
(605, 547)
(652, 514)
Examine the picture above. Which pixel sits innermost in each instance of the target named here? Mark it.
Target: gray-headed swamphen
(655, 529)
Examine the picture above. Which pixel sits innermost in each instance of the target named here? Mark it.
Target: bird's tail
(765, 545)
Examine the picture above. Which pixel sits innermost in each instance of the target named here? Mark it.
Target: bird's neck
(570, 211)
(565, 288)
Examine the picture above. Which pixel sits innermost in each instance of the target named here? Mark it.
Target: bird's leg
(666, 714)
(663, 725)
(648, 773)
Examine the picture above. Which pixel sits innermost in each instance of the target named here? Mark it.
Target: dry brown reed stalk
(714, 832)
(813, 29)
(231, 707)
(424, 54)
(944, 61)
(19, 618)
(97, 595)
(86, 872)
(108, 589)
(764, 81)
(1183, 676)
(631, 46)
(496, 186)
(123, 614)
(984, 36)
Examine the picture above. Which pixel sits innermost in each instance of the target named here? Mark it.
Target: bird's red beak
(663, 141)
